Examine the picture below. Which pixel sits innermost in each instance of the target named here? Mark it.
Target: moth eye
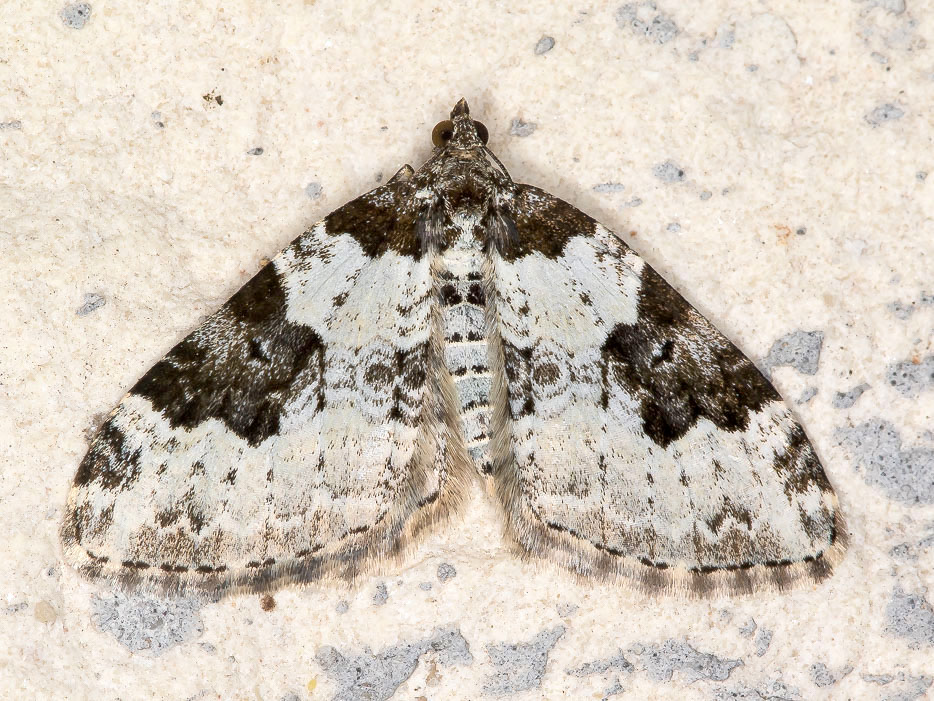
(482, 132)
(442, 133)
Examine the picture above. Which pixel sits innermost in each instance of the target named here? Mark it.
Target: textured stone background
(771, 159)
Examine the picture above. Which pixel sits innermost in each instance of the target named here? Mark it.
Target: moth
(447, 330)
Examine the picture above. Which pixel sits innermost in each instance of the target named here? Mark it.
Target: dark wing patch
(544, 224)
(244, 382)
(681, 368)
(381, 220)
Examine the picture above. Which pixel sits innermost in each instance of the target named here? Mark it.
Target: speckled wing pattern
(453, 326)
(633, 438)
(297, 434)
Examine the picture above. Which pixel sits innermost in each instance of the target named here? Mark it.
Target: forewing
(630, 436)
(298, 433)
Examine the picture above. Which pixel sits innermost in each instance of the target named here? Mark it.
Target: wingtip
(404, 173)
(460, 108)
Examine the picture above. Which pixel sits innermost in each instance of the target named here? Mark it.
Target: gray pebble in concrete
(844, 400)
(446, 572)
(884, 113)
(661, 661)
(904, 474)
(668, 172)
(798, 349)
(909, 378)
(520, 666)
(147, 625)
(369, 676)
(544, 45)
(521, 128)
(910, 616)
(75, 15)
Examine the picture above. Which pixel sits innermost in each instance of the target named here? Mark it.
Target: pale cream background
(164, 223)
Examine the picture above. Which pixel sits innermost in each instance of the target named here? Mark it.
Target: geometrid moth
(447, 328)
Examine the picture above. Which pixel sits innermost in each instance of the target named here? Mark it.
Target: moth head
(460, 131)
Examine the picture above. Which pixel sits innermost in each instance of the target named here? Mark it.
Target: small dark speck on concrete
(92, 302)
(381, 595)
(668, 172)
(208, 648)
(706, 195)
(75, 15)
(342, 606)
(748, 628)
(372, 676)
(12, 124)
(807, 395)
(763, 641)
(643, 19)
(844, 400)
(16, 608)
(673, 228)
(752, 68)
(910, 616)
(822, 676)
(904, 474)
(147, 625)
(313, 190)
(909, 378)
(565, 609)
(157, 120)
(521, 128)
(617, 662)
(258, 151)
(661, 661)
(520, 666)
(798, 349)
(425, 586)
(801, 231)
(604, 188)
(921, 176)
(446, 572)
(544, 45)
(884, 113)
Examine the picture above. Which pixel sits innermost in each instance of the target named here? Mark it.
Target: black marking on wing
(732, 562)
(544, 224)
(215, 372)
(109, 461)
(656, 359)
(381, 220)
(798, 465)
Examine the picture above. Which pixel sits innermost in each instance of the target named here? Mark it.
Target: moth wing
(630, 437)
(298, 433)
